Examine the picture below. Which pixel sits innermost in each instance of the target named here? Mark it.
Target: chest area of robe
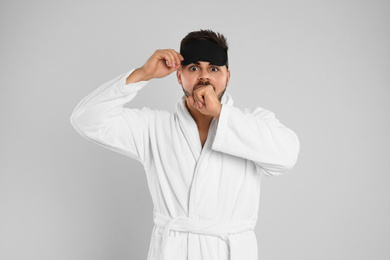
(185, 178)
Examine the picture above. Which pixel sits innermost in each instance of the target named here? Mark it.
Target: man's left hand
(205, 100)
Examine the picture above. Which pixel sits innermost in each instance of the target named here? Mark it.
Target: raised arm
(101, 117)
(258, 136)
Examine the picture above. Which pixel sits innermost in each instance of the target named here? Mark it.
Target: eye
(193, 68)
(214, 69)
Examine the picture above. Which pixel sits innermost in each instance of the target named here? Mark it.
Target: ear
(228, 78)
(178, 75)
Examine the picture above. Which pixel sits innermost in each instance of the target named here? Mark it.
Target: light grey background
(321, 66)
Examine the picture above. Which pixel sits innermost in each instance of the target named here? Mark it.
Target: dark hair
(209, 35)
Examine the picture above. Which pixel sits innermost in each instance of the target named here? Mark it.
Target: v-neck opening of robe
(190, 128)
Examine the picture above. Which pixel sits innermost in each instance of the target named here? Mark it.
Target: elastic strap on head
(204, 50)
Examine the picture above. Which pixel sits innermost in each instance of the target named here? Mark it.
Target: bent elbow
(81, 125)
(285, 162)
(75, 122)
(291, 152)
(275, 169)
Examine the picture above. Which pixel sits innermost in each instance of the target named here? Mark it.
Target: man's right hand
(159, 65)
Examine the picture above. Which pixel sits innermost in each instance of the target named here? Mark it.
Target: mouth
(200, 86)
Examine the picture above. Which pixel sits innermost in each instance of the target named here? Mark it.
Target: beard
(205, 83)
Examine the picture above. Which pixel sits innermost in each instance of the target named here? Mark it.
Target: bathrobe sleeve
(101, 118)
(258, 136)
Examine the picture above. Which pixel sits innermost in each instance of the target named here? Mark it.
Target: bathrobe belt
(213, 228)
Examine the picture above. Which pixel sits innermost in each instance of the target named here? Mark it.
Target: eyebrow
(198, 63)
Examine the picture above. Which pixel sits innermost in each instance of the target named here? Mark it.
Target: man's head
(205, 62)
(205, 36)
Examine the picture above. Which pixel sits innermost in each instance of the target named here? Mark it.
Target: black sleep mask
(203, 50)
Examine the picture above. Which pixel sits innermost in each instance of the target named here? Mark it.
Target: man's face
(198, 74)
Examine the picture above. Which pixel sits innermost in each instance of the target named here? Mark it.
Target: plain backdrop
(321, 66)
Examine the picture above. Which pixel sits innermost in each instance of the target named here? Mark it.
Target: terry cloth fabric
(206, 198)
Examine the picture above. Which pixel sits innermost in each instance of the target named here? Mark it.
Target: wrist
(136, 76)
(219, 112)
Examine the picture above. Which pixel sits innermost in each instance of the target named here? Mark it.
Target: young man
(204, 162)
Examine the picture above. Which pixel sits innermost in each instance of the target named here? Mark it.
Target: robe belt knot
(213, 228)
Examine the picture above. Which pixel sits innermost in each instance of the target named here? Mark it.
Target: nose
(204, 75)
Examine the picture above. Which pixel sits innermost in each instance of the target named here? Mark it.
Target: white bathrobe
(205, 199)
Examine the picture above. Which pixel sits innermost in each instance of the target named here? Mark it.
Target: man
(204, 162)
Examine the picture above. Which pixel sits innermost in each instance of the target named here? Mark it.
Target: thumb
(171, 68)
(190, 100)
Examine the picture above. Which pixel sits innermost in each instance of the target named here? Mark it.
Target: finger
(196, 98)
(201, 99)
(191, 101)
(161, 55)
(172, 57)
(164, 55)
(199, 94)
(176, 57)
(169, 58)
(179, 57)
